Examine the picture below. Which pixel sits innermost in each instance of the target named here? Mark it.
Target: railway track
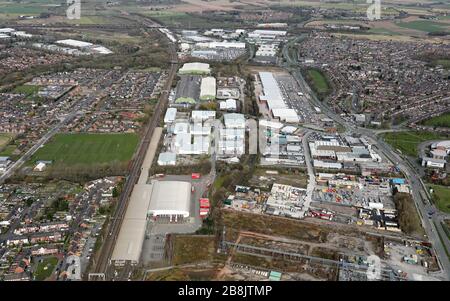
(116, 220)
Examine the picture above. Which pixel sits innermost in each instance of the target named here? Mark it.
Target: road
(312, 178)
(417, 186)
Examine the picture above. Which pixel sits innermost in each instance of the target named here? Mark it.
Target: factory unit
(163, 202)
(203, 115)
(167, 158)
(274, 100)
(170, 200)
(170, 116)
(208, 89)
(232, 137)
(228, 105)
(195, 68)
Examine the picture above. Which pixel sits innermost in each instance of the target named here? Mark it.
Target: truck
(204, 203)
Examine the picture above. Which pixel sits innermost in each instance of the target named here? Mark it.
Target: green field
(441, 197)
(441, 121)
(8, 150)
(427, 26)
(45, 268)
(26, 89)
(4, 140)
(319, 81)
(407, 142)
(23, 9)
(443, 62)
(70, 149)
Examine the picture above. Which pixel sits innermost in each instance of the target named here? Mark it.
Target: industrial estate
(223, 140)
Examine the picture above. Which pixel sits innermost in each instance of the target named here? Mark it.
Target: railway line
(135, 170)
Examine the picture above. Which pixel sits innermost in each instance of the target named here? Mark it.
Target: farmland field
(427, 26)
(407, 142)
(70, 149)
(442, 121)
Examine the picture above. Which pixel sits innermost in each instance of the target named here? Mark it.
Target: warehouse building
(195, 68)
(274, 99)
(167, 158)
(170, 200)
(170, 115)
(203, 115)
(132, 231)
(228, 105)
(208, 89)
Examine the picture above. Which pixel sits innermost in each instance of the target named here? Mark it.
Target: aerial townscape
(224, 140)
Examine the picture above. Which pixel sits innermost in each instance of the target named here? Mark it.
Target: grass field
(407, 142)
(8, 150)
(4, 140)
(319, 81)
(70, 149)
(27, 89)
(45, 268)
(441, 197)
(427, 26)
(442, 121)
(444, 63)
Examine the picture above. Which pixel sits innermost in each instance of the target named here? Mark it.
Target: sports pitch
(71, 149)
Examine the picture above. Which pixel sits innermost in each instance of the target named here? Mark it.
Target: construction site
(258, 247)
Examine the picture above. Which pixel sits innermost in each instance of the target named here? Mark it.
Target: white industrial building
(286, 115)
(171, 200)
(208, 88)
(7, 30)
(81, 44)
(168, 200)
(167, 158)
(442, 145)
(234, 120)
(203, 115)
(269, 50)
(274, 99)
(195, 68)
(74, 43)
(132, 231)
(181, 128)
(223, 44)
(228, 105)
(170, 116)
(232, 137)
(327, 165)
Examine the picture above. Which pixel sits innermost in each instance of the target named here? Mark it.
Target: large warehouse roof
(195, 68)
(286, 115)
(170, 198)
(208, 88)
(272, 94)
(132, 232)
(74, 43)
